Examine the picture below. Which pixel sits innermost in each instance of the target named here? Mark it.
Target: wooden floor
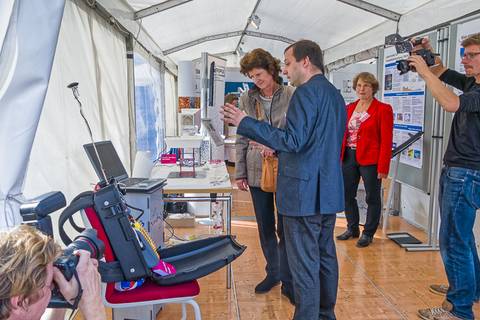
(381, 281)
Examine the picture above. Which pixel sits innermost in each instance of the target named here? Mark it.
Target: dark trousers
(352, 172)
(273, 250)
(313, 259)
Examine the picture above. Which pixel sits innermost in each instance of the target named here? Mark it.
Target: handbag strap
(259, 112)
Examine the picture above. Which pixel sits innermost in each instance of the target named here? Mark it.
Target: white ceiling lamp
(255, 21)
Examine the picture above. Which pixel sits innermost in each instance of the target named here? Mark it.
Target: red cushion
(97, 225)
(149, 290)
(152, 291)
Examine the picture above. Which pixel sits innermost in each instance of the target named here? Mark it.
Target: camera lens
(88, 241)
(403, 66)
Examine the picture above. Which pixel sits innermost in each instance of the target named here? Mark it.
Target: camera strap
(80, 291)
(76, 301)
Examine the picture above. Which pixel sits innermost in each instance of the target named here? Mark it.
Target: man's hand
(242, 184)
(232, 115)
(424, 45)
(436, 69)
(91, 302)
(419, 64)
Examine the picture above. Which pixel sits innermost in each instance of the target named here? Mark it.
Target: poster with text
(406, 94)
(464, 30)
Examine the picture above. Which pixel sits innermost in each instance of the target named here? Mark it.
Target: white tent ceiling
(339, 28)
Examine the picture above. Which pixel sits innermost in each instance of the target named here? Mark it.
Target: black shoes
(266, 285)
(348, 234)
(288, 293)
(364, 241)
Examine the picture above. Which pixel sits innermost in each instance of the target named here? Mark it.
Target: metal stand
(435, 162)
(396, 155)
(228, 218)
(386, 212)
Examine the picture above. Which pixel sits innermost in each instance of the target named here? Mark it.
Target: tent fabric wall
(170, 105)
(328, 22)
(27, 49)
(418, 20)
(92, 52)
(6, 8)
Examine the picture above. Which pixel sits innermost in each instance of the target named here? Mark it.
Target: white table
(215, 181)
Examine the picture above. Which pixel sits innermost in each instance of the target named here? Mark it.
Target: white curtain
(28, 33)
(170, 105)
(92, 52)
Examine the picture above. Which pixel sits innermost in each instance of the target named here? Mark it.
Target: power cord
(172, 233)
(139, 210)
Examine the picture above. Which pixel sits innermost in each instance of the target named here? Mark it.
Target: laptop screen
(111, 162)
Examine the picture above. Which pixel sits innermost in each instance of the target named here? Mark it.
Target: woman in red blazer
(366, 153)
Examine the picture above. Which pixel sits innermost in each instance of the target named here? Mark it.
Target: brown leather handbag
(268, 181)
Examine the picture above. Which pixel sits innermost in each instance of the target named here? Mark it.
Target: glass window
(149, 107)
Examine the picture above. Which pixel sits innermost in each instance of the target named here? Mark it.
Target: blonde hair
(474, 39)
(368, 78)
(24, 256)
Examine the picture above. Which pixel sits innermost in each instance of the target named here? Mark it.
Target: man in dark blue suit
(310, 183)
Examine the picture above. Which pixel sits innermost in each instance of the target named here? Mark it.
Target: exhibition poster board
(406, 94)
(464, 30)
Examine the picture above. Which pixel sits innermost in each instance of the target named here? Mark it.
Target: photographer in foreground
(460, 179)
(27, 276)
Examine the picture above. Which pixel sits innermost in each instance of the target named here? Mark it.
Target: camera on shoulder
(403, 45)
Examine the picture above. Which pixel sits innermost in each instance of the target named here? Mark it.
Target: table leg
(229, 232)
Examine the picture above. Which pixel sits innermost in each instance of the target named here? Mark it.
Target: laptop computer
(114, 168)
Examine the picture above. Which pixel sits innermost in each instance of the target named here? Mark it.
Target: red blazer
(375, 136)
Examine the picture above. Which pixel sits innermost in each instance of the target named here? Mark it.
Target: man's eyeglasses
(470, 55)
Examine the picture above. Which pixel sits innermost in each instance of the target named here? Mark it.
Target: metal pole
(436, 160)
(386, 212)
(229, 230)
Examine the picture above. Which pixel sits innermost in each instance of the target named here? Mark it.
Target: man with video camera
(460, 179)
(27, 277)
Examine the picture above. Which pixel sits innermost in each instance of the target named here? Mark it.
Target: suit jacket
(309, 174)
(374, 144)
(248, 160)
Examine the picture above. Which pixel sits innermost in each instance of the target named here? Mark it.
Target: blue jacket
(310, 178)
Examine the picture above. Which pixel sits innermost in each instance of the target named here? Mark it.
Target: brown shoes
(440, 289)
(438, 313)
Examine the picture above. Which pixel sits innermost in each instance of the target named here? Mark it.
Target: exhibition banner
(406, 94)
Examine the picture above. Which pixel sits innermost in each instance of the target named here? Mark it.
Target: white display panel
(406, 94)
(464, 30)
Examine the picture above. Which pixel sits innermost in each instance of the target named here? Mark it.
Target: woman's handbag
(268, 181)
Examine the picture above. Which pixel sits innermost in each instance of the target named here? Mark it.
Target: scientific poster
(406, 94)
(464, 30)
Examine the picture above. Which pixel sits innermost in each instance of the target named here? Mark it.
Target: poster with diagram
(406, 94)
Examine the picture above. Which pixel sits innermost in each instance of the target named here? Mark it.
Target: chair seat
(151, 291)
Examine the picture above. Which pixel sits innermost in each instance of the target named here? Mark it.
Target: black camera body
(36, 214)
(403, 45)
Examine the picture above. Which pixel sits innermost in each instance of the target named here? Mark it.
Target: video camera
(36, 213)
(403, 45)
